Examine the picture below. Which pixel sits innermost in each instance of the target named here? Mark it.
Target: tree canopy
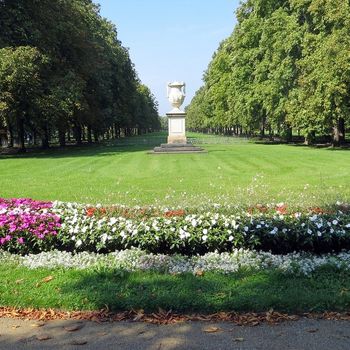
(285, 67)
(65, 74)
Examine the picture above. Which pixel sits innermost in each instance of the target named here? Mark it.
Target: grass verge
(68, 289)
(233, 171)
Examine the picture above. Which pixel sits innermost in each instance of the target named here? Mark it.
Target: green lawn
(117, 290)
(232, 171)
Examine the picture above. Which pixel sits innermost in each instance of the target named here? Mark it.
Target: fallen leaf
(78, 342)
(19, 281)
(312, 330)
(47, 279)
(239, 339)
(199, 273)
(38, 324)
(42, 337)
(212, 329)
(74, 327)
(139, 315)
(101, 334)
(14, 326)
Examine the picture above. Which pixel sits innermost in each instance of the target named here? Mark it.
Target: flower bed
(30, 226)
(137, 260)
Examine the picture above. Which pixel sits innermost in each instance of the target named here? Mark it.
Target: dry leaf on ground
(43, 337)
(47, 279)
(212, 329)
(239, 339)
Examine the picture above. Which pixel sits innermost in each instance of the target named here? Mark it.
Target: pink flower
(20, 240)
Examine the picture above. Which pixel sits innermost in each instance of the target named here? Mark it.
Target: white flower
(204, 238)
(78, 243)
(347, 226)
(104, 238)
(112, 221)
(246, 228)
(274, 231)
(335, 222)
(184, 234)
(230, 238)
(205, 231)
(309, 231)
(194, 222)
(313, 218)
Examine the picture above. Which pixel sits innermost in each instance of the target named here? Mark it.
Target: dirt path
(303, 334)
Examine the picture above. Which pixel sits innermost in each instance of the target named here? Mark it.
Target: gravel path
(302, 334)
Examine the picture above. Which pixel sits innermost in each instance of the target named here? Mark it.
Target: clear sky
(171, 40)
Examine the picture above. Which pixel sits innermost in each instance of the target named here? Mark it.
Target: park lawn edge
(117, 290)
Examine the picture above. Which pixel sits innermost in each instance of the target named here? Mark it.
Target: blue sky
(171, 40)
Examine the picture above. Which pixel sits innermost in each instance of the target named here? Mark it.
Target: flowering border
(137, 260)
(28, 226)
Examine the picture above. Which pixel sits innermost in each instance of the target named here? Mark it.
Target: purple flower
(20, 240)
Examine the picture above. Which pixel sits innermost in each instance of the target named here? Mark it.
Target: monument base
(177, 139)
(166, 148)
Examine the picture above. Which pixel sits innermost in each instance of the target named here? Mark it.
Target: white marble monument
(176, 93)
(177, 141)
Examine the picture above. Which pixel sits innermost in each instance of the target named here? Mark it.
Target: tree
(20, 84)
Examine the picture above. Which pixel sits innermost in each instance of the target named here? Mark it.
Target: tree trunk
(95, 135)
(77, 134)
(62, 137)
(45, 138)
(338, 132)
(20, 131)
(310, 138)
(342, 129)
(289, 135)
(9, 136)
(89, 134)
(35, 138)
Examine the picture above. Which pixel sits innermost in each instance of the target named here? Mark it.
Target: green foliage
(286, 65)
(85, 82)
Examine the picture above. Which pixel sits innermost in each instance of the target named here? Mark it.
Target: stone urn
(176, 93)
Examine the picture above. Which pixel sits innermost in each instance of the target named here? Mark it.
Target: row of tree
(65, 75)
(285, 69)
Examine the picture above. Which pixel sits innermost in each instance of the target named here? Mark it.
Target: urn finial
(176, 93)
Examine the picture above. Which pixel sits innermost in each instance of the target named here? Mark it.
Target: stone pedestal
(176, 127)
(177, 141)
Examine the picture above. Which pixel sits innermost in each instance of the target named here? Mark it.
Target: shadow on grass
(328, 147)
(258, 291)
(86, 150)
